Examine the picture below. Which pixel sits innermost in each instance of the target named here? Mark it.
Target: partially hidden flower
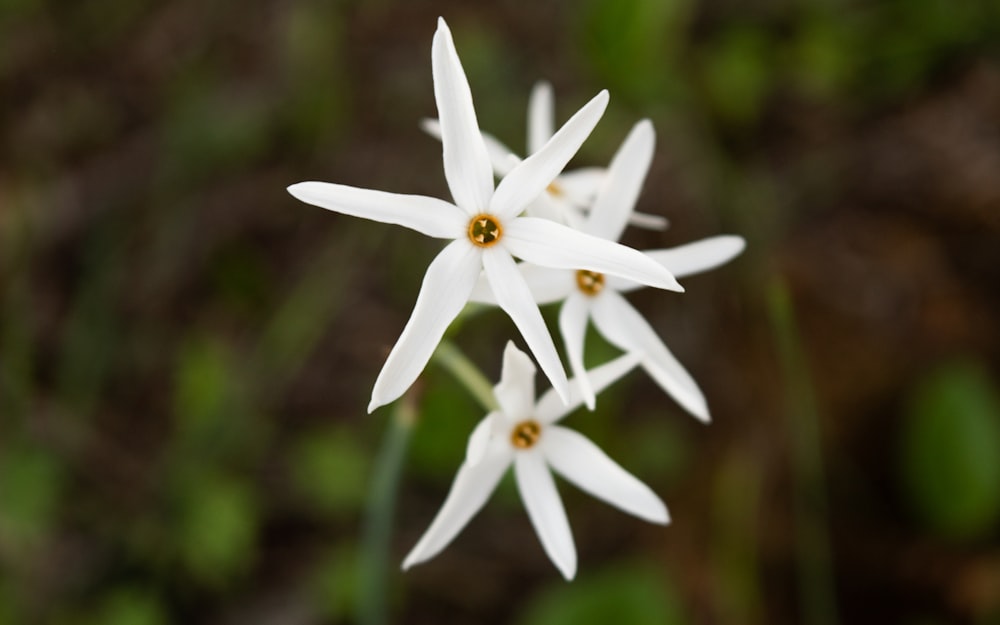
(589, 295)
(568, 198)
(528, 436)
(485, 228)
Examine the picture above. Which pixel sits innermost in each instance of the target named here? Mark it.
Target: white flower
(589, 295)
(570, 195)
(486, 230)
(527, 435)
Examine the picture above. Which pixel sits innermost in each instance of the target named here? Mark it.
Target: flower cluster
(564, 228)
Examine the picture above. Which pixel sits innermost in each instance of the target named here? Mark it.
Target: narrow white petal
(545, 206)
(573, 325)
(580, 186)
(648, 221)
(583, 463)
(445, 290)
(625, 328)
(479, 440)
(691, 258)
(516, 391)
(466, 163)
(427, 215)
(541, 116)
(514, 298)
(545, 509)
(699, 256)
(473, 485)
(616, 200)
(550, 407)
(501, 157)
(554, 245)
(526, 181)
(546, 285)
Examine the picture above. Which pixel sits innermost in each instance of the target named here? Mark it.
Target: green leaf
(950, 451)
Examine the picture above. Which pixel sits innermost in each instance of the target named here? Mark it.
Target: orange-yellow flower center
(554, 189)
(526, 434)
(590, 282)
(484, 230)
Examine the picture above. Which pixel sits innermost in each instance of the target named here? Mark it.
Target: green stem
(374, 566)
(452, 359)
(812, 535)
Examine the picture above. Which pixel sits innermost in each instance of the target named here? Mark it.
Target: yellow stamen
(526, 434)
(590, 282)
(484, 230)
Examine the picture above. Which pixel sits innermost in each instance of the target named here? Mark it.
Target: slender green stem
(374, 566)
(452, 359)
(812, 535)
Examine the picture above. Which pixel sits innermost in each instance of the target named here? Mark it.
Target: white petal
(516, 391)
(473, 485)
(573, 325)
(427, 215)
(514, 298)
(692, 258)
(625, 328)
(549, 244)
(533, 174)
(686, 260)
(584, 464)
(550, 407)
(546, 285)
(580, 186)
(545, 206)
(648, 221)
(479, 440)
(545, 509)
(617, 198)
(466, 163)
(500, 155)
(445, 290)
(541, 116)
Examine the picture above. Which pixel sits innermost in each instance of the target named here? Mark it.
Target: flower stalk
(379, 514)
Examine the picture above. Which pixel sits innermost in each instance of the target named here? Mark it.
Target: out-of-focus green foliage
(31, 484)
(330, 469)
(950, 451)
(634, 593)
(130, 606)
(738, 70)
(448, 415)
(634, 46)
(335, 582)
(217, 528)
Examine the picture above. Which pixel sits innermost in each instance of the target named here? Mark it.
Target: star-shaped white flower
(592, 295)
(486, 230)
(568, 198)
(527, 435)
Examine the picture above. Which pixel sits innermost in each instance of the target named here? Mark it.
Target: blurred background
(186, 352)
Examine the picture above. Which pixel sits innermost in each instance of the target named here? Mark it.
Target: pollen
(555, 189)
(590, 282)
(526, 434)
(484, 230)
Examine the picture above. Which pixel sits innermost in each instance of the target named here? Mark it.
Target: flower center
(526, 434)
(590, 282)
(484, 230)
(554, 189)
